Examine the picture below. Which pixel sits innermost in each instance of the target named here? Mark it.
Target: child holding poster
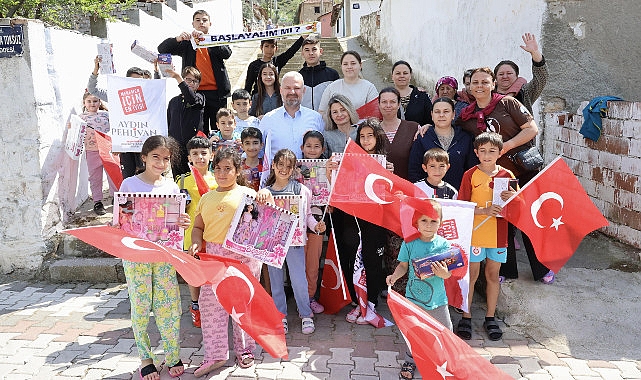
(146, 281)
(97, 120)
(280, 182)
(214, 215)
(312, 148)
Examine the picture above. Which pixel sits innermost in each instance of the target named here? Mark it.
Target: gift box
(164, 64)
(144, 53)
(453, 258)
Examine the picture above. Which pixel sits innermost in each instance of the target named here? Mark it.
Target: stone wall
(609, 169)
(43, 187)
(370, 24)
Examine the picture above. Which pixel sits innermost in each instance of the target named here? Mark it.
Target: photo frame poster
(152, 217)
(313, 175)
(75, 141)
(261, 231)
(380, 158)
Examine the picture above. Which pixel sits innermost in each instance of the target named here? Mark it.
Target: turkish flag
(110, 162)
(367, 190)
(202, 185)
(249, 305)
(360, 286)
(370, 109)
(555, 212)
(438, 352)
(257, 313)
(333, 293)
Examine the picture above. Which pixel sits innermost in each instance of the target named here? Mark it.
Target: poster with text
(294, 204)
(152, 217)
(137, 110)
(261, 231)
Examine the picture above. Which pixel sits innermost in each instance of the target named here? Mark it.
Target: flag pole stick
(338, 259)
(480, 224)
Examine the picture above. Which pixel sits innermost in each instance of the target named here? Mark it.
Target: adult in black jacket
(316, 74)
(210, 62)
(269, 48)
(456, 142)
(185, 115)
(416, 105)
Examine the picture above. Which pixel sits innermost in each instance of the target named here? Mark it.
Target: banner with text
(137, 110)
(209, 40)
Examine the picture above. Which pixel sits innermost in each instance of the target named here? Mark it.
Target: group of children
(234, 152)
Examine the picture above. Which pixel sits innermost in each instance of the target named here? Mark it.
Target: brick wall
(609, 169)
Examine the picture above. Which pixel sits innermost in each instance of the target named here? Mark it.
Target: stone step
(85, 269)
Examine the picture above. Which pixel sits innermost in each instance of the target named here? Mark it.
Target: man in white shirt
(285, 126)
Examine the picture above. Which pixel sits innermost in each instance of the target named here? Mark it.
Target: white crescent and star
(130, 242)
(233, 272)
(536, 206)
(331, 264)
(369, 187)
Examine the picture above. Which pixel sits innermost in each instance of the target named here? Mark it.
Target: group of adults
(492, 100)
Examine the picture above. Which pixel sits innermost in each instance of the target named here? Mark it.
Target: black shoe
(99, 209)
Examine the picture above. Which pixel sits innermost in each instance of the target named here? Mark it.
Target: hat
(451, 81)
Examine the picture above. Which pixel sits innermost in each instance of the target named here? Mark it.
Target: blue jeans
(295, 260)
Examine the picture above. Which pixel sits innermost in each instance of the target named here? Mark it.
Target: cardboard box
(144, 53)
(453, 258)
(164, 64)
(105, 51)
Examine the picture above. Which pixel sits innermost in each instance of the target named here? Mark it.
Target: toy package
(152, 217)
(452, 257)
(312, 174)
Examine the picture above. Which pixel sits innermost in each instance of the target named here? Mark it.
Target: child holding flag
(214, 215)
(97, 120)
(199, 157)
(429, 293)
(153, 286)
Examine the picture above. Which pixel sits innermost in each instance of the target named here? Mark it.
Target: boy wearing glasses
(185, 114)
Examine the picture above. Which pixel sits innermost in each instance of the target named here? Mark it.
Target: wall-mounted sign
(356, 6)
(10, 41)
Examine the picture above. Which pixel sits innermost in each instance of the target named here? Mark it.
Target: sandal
(464, 329)
(307, 326)
(245, 360)
(208, 366)
(493, 330)
(178, 364)
(353, 315)
(407, 371)
(148, 370)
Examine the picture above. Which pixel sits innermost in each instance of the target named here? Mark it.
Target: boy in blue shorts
(489, 237)
(429, 293)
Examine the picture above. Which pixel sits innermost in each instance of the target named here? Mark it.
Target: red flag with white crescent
(110, 162)
(367, 190)
(437, 351)
(360, 287)
(261, 319)
(333, 293)
(202, 185)
(555, 212)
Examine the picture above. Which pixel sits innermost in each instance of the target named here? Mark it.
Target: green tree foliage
(63, 13)
(280, 11)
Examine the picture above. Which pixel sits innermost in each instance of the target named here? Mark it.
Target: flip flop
(148, 370)
(245, 360)
(178, 364)
(493, 330)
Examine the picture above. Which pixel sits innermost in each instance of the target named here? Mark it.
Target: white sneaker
(285, 327)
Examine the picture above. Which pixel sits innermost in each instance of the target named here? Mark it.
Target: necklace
(446, 140)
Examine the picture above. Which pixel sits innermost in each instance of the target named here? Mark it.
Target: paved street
(82, 331)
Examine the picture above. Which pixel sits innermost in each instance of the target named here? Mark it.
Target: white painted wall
(441, 38)
(42, 186)
(365, 7)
